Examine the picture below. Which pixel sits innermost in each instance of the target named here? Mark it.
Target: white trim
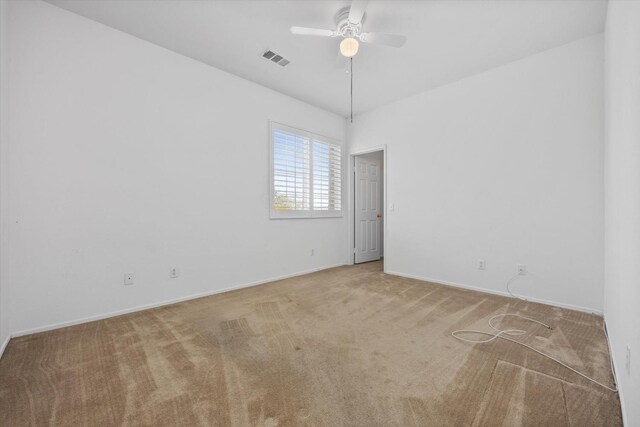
(496, 292)
(351, 202)
(615, 375)
(5, 167)
(163, 303)
(4, 345)
(369, 150)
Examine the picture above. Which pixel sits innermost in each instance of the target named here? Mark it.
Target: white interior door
(367, 210)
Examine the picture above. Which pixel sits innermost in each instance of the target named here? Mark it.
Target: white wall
(622, 198)
(4, 86)
(505, 166)
(127, 157)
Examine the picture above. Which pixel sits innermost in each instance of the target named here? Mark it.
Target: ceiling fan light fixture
(349, 47)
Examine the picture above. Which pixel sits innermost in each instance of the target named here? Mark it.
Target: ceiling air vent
(274, 57)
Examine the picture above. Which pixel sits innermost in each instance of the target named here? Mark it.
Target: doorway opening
(368, 206)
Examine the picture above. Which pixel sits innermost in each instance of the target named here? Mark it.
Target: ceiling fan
(349, 22)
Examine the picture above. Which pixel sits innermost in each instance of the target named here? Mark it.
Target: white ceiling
(447, 40)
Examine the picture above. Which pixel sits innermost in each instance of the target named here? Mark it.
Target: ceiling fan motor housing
(344, 27)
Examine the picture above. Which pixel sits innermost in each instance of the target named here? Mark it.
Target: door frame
(351, 196)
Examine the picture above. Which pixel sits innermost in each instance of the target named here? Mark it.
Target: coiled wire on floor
(505, 334)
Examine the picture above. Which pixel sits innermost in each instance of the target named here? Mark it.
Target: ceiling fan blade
(394, 40)
(356, 11)
(304, 31)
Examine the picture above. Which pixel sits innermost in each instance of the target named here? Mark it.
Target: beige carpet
(349, 346)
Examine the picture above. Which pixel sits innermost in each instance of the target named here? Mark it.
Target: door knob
(379, 216)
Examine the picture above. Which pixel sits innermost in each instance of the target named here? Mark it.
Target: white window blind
(306, 174)
(327, 177)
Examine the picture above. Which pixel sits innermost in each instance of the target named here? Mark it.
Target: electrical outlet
(628, 361)
(174, 272)
(522, 269)
(128, 278)
(482, 264)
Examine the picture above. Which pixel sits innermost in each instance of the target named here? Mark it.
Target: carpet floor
(349, 346)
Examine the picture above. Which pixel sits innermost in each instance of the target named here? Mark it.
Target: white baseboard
(64, 324)
(615, 376)
(496, 292)
(107, 315)
(4, 345)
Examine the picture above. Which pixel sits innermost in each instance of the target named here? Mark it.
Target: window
(306, 174)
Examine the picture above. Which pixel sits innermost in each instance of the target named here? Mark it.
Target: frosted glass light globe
(349, 47)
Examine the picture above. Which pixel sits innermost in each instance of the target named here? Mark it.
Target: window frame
(311, 213)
